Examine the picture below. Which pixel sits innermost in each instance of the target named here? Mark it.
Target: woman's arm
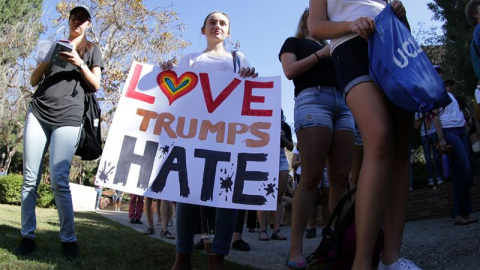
(90, 76)
(293, 67)
(295, 161)
(286, 141)
(438, 128)
(38, 73)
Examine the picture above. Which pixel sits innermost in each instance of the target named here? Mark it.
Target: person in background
(473, 17)
(216, 28)
(98, 190)
(54, 120)
(383, 184)
(117, 199)
(135, 209)
(429, 140)
(451, 130)
(285, 142)
(163, 211)
(323, 124)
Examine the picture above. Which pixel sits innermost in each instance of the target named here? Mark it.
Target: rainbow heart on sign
(175, 87)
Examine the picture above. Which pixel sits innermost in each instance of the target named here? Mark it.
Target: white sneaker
(430, 183)
(400, 264)
(439, 181)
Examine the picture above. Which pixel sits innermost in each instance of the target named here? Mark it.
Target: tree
(14, 12)
(456, 40)
(15, 90)
(126, 30)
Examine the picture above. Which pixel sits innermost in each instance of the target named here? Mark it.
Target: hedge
(10, 191)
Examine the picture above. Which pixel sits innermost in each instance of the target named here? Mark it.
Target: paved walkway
(431, 244)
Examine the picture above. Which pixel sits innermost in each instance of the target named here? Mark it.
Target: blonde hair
(302, 28)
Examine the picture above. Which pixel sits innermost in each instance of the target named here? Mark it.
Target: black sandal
(149, 231)
(263, 236)
(166, 234)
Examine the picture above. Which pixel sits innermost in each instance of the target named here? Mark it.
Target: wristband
(317, 56)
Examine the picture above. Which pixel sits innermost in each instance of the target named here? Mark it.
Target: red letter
(248, 98)
(212, 105)
(131, 93)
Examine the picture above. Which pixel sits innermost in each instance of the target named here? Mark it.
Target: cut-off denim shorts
(283, 161)
(322, 106)
(352, 64)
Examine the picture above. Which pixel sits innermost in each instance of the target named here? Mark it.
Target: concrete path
(431, 244)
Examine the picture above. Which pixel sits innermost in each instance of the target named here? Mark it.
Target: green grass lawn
(104, 244)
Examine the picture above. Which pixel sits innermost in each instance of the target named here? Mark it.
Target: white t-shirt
(299, 168)
(452, 116)
(208, 62)
(477, 95)
(428, 122)
(350, 10)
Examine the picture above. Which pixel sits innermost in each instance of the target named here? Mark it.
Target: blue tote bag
(402, 69)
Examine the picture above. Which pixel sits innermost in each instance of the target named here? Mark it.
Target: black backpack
(90, 143)
(337, 248)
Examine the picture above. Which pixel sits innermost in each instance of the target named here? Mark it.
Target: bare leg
(216, 262)
(165, 212)
(339, 165)
(356, 165)
(325, 207)
(282, 186)
(148, 212)
(182, 262)
(397, 201)
(312, 218)
(315, 142)
(373, 115)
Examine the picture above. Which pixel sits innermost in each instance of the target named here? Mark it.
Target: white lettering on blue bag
(400, 67)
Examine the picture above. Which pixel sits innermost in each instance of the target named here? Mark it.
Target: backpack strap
(339, 208)
(236, 61)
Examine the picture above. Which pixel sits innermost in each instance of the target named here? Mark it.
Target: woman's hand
(166, 65)
(248, 72)
(71, 57)
(363, 26)
(399, 9)
(324, 52)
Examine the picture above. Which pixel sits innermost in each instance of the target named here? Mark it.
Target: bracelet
(317, 56)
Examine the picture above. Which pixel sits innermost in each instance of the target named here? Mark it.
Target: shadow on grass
(103, 244)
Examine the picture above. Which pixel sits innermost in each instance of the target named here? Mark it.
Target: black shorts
(351, 63)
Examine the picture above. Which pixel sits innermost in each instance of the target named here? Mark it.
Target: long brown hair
(84, 46)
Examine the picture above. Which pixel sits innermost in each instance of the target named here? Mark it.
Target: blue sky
(261, 27)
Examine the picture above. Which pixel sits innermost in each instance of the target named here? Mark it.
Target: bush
(10, 191)
(10, 188)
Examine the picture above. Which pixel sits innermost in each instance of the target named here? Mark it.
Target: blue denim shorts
(283, 161)
(322, 106)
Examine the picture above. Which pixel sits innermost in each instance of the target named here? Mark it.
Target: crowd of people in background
(349, 136)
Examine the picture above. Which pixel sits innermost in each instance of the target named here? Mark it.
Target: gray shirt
(60, 98)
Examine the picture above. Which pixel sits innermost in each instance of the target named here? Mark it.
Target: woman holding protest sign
(216, 28)
(383, 185)
(323, 124)
(54, 119)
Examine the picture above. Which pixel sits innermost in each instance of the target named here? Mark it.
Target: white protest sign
(205, 138)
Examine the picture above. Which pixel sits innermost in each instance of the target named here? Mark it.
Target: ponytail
(84, 46)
